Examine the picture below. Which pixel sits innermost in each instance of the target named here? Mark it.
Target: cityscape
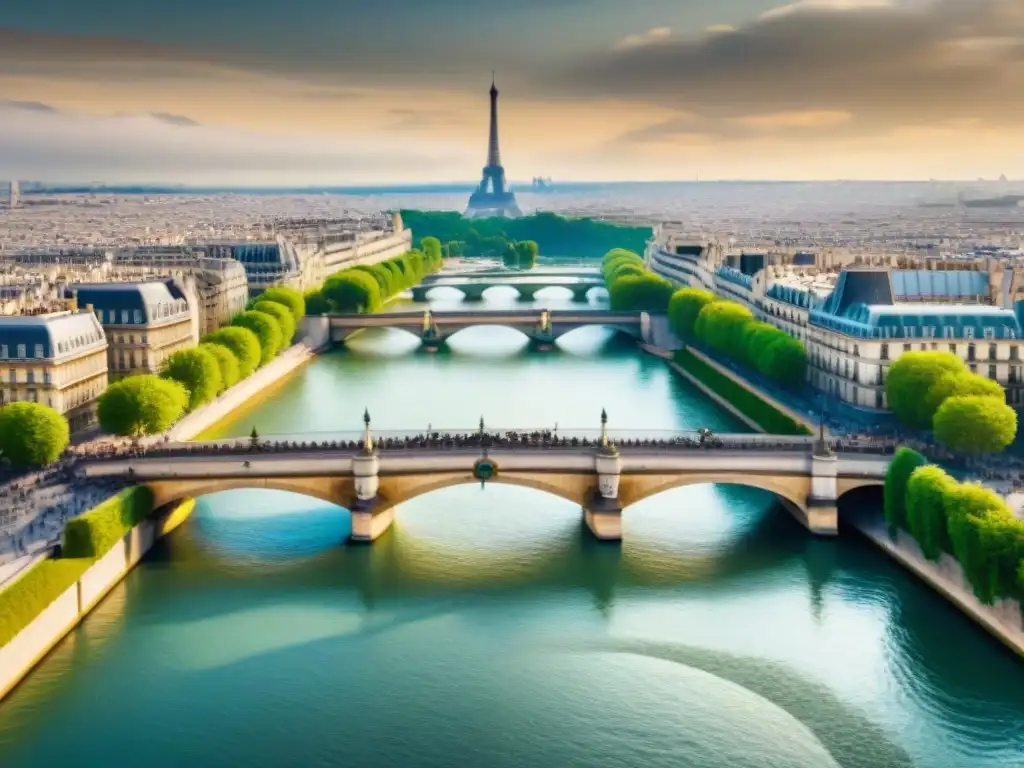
(681, 431)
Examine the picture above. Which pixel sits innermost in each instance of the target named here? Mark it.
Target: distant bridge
(474, 285)
(601, 478)
(542, 326)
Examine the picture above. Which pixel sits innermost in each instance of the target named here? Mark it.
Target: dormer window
(969, 332)
(990, 333)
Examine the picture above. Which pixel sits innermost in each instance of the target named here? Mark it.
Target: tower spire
(493, 151)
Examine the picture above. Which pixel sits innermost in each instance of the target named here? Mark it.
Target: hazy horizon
(332, 92)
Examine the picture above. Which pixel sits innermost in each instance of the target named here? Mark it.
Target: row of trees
(33, 434)
(730, 329)
(554, 234)
(365, 288)
(631, 286)
(965, 520)
(966, 411)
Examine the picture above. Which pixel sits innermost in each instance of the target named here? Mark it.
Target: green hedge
(30, 595)
(95, 532)
(748, 403)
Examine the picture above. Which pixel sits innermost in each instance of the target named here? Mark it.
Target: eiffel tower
(493, 197)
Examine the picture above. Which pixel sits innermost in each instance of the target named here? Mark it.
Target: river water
(486, 629)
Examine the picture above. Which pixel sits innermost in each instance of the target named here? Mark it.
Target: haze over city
(342, 92)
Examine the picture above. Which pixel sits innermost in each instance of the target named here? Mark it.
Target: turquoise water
(485, 629)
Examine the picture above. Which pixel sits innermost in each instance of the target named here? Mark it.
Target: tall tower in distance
(493, 197)
(15, 194)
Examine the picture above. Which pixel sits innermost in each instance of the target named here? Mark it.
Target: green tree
(141, 405)
(647, 292)
(975, 424)
(977, 520)
(399, 281)
(383, 276)
(316, 304)
(353, 291)
(527, 250)
(244, 345)
(284, 319)
(684, 307)
(267, 330)
(289, 297)
(784, 359)
(32, 434)
(927, 489)
(197, 370)
(962, 382)
(909, 380)
(897, 476)
(227, 364)
(431, 248)
(721, 325)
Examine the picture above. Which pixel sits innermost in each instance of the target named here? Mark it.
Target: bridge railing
(388, 441)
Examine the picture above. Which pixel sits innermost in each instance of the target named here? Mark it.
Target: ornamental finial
(367, 437)
(366, 416)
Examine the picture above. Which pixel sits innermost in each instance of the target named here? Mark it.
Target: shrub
(647, 292)
(355, 291)
(897, 476)
(284, 319)
(287, 296)
(784, 359)
(267, 330)
(32, 434)
(198, 371)
(684, 307)
(383, 276)
(95, 532)
(721, 325)
(951, 384)
(431, 248)
(316, 304)
(927, 489)
(31, 594)
(975, 424)
(141, 405)
(227, 364)
(244, 345)
(909, 380)
(980, 529)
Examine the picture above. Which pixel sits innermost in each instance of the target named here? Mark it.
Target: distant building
(15, 195)
(493, 197)
(144, 322)
(57, 359)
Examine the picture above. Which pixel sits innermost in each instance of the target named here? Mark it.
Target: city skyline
(226, 93)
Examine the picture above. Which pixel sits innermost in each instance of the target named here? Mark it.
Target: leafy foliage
(353, 291)
(897, 476)
(95, 532)
(267, 330)
(721, 326)
(647, 292)
(22, 601)
(227, 364)
(32, 434)
(198, 371)
(287, 296)
(141, 405)
(910, 379)
(283, 316)
(684, 307)
(244, 345)
(316, 304)
(975, 423)
(926, 492)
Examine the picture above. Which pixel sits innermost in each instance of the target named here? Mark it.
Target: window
(12, 376)
(30, 377)
(992, 372)
(952, 348)
(21, 351)
(99, 315)
(928, 331)
(885, 351)
(970, 352)
(990, 333)
(879, 403)
(124, 317)
(1014, 375)
(969, 332)
(1014, 353)
(137, 316)
(131, 338)
(992, 352)
(3, 350)
(143, 339)
(906, 347)
(39, 351)
(47, 378)
(947, 332)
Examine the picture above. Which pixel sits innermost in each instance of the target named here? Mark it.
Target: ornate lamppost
(607, 446)
(368, 447)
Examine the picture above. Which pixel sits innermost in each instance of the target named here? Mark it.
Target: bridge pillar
(822, 512)
(579, 293)
(527, 292)
(419, 292)
(368, 522)
(603, 513)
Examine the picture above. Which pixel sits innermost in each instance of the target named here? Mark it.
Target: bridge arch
(334, 490)
(559, 330)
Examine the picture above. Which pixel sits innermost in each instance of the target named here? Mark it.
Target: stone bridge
(541, 326)
(474, 286)
(599, 477)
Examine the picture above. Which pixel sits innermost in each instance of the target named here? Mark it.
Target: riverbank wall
(31, 645)
(1003, 619)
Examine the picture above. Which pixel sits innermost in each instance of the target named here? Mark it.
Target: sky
(335, 92)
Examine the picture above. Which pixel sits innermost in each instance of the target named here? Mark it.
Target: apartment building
(58, 359)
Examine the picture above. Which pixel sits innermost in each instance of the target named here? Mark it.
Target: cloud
(179, 120)
(833, 5)
(32, 106)
(652, 35)
(887, 66)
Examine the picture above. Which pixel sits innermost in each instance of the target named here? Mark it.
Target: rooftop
(49, 337)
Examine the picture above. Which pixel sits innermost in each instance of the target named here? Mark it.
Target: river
(486, 629)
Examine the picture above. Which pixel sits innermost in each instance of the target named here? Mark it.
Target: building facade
(144, 322)
(58, 359)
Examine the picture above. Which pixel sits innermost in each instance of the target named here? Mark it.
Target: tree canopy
(721, 324)
(975, 423)
(284, 319)
(287, 296)
(684, 307)
(141, 405)
(316, 304)
(354, 291)
(903, 464)
(244, 345)
(267, 330)
(647, 292)
(197, 370)
(227, 364)
(909, 380)
(32, 434)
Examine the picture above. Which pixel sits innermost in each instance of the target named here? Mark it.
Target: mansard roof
(59, 334)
